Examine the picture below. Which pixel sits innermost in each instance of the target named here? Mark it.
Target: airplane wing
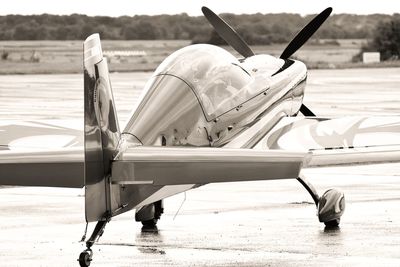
(40, 134)
(41, 153)
(349, 140)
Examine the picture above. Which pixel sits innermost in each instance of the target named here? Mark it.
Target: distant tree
(255, 29)
(66, 32)
(26, 32)
(387, 39)
(86, 30)
(215, 39)
(6, 35)
(141, 30)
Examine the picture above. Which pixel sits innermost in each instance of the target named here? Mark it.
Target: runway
(270, 223)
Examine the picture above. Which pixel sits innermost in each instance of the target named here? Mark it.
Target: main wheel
(85, 258)
(149, 215)
(332, 224)
(150, 226)
(150, 223)
(331, 207)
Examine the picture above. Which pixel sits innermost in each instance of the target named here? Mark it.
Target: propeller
(300, 39)
(236, 42)
(227, 33)
(306, 33)
(306, 111)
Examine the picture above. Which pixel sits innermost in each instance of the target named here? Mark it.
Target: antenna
(183, 201)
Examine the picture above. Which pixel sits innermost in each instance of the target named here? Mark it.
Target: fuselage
(201, 95)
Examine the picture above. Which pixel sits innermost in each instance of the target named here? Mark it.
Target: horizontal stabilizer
(179, 165)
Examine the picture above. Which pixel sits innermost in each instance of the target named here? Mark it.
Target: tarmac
(268, 223)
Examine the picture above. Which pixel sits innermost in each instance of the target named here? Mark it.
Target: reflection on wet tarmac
(332, 230)
(153, 241)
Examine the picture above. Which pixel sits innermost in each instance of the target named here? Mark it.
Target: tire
(84, 259)
(150, 223)
(332, 224)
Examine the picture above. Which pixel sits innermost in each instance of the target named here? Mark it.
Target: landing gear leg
(310, 188)
(330, 205)
(85, 257)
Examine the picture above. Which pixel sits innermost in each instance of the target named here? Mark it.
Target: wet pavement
(233, 224)
(271, 223)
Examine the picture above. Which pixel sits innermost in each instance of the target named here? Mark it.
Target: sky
(192, 7)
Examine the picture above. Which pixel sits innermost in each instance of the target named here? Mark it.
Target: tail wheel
(85, 258)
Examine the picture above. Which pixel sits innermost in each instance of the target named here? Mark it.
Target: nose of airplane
(262, 64)
(271, 66)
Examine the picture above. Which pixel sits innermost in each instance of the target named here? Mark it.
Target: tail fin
(101, 130)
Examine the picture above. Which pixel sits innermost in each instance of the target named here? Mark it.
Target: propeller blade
(306, 33)
(306, 111)
(227, 33)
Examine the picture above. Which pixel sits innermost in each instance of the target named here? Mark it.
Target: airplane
(204, 116)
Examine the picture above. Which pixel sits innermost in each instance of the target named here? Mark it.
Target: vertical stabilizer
(101, 130)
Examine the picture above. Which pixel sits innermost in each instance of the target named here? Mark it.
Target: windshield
(223, 88)
(217, 77)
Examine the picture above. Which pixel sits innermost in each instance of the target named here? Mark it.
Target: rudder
(102, 132)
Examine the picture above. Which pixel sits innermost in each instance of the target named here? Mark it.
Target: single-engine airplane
(204, 117)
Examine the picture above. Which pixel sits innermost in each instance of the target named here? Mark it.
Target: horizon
(118, 8)
(223, 13)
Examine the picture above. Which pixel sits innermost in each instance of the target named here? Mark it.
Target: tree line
(386, 40)
(255, 29)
